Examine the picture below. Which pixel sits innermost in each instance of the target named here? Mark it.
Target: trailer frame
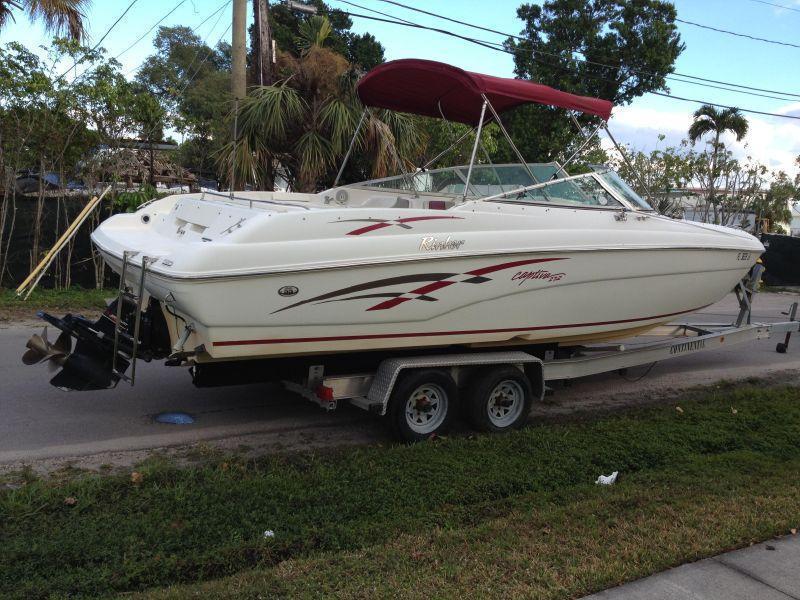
(372, 391)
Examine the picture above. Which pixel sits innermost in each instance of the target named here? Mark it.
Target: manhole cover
(174, 418)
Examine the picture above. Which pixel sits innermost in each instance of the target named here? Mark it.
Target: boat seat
(439, 204)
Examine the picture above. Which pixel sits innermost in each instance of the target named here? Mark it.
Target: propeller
(40, 349)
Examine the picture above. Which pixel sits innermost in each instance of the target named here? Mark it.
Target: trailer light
(324, 392)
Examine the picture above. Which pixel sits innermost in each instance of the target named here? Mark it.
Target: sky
(773, 141)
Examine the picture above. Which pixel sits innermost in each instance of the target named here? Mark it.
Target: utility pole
(263, 36)
(239, 74)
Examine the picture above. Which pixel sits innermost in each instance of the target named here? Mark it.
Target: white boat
(471, 256)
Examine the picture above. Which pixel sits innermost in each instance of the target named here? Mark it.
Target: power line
(727, 89)
(114, 24)
(193, 28)
(495, 48)
(747, 110)
(777, 5)
(591, 62)
(438, 16)
(100, 41)
(194, 58)
(742, 35)
(157, 23)
(377, 12)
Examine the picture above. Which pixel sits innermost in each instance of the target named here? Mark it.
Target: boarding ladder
(135, 298)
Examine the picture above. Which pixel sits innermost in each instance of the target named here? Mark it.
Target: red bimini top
(421, 86)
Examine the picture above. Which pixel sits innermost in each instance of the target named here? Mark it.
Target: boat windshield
(616, 183)
(492, 181)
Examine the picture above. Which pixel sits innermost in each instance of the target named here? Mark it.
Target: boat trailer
(377, 391)
(494, 387)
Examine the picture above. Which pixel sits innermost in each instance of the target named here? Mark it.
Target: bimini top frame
(440, 90)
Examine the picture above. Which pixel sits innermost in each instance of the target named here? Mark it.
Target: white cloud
(773, 141)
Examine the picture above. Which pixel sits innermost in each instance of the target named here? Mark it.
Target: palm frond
(5, 13)
(406, 132)
(708, 119)
(338, 118)
(313, 151)
(60, 16)
(379, 143)
(269, 111)
(314, 32)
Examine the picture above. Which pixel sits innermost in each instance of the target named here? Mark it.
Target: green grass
(513, 515)
(74, 299)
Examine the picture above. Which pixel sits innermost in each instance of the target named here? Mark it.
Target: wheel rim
(506, 402)
(426, 408)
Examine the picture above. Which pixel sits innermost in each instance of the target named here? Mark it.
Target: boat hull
(524, 298)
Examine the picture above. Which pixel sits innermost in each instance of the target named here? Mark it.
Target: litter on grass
(607, 479)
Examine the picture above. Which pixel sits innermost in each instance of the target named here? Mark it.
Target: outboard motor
(97, 362)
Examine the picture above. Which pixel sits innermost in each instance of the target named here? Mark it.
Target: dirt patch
(25, 316)
(555, 409)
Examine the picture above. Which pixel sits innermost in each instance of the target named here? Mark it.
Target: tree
(709, 119)
(53, 124)
(611, 49)
(60, 17)
(313, 33)
(361, 50)
(303, 124)
(773, 207)
(658, 175)
(192, 82)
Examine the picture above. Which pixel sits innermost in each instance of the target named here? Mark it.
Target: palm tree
(709, 119)
(59, 16)
(314, 32)
(304, 123)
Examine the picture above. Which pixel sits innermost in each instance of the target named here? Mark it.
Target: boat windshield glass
(616, 183)
(491, 180)
(486, 180)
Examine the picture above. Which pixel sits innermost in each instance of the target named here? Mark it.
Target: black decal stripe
(371, 286)
(364, 296)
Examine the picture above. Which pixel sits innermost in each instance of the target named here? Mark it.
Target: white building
(692, 204)
(794, 226)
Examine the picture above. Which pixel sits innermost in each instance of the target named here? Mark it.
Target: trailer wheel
(422, 404)
(498, 399)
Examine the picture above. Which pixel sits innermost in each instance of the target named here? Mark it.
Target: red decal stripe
(431, 287)
(508, 265)
(389, 303)
(378, 336)
(369, 228)
(428, 218)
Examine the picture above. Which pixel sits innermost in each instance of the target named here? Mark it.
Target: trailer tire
(498, 399)
(422, 404)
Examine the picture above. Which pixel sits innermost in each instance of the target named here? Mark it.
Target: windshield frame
(508, 196)
(635, 205)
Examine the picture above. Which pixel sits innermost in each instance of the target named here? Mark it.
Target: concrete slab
(778, 568)
(755, 572)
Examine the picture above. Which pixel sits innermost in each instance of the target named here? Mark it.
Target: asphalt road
(38, 421)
